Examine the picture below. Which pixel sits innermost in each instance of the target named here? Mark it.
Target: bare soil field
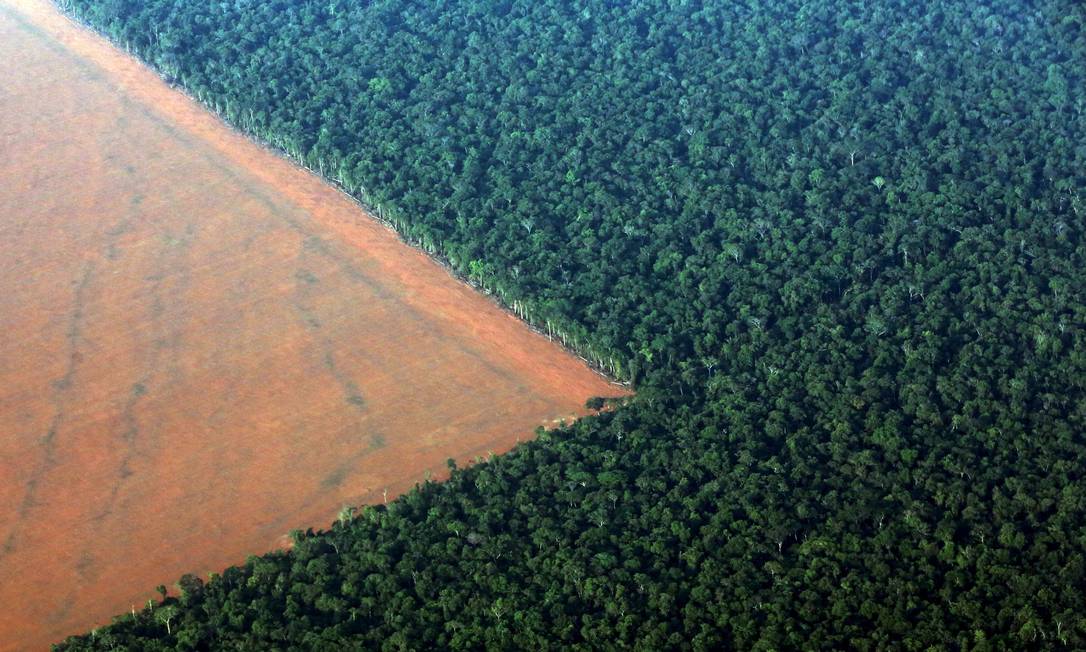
(203, 347)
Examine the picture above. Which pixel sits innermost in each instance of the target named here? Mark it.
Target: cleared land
(204, 347)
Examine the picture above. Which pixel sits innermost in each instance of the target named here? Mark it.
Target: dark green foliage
(839, 245)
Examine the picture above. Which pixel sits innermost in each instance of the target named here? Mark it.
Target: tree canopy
(837, 245)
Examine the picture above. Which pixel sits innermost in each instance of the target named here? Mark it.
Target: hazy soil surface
(204, 347)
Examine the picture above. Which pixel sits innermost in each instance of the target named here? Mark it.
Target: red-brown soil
(204, 347)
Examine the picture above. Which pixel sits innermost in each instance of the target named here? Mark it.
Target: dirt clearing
(204, 347)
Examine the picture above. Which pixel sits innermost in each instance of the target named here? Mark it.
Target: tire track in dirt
(306, 284)
(61, 388)
(169, 337)
(133, 435)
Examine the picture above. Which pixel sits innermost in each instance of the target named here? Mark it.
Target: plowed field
(203, 347)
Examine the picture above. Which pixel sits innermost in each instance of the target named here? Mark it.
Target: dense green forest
(839, 246)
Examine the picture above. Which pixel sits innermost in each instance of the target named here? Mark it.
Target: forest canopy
(838, 246)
